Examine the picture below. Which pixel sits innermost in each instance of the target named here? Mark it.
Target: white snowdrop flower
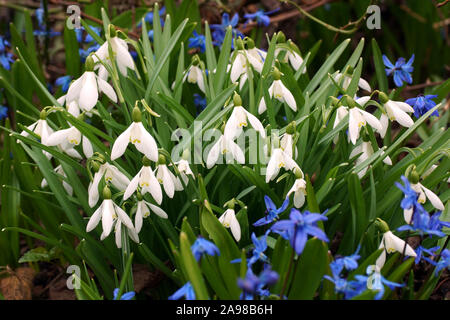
(287, 144)
(170, 182)
(143, 211)
(228, 220)
(227, 147)
(291, 56)
(279, 159)
(137, 135)
(195, 75)
(395, 110)
(85, 90)
(147, 182)
(112, 175)
(108, 212)
(119, 48)
(299, 190)
(71, 107)
(425, 193)
(280, 92)
(41, 128)
(67, 187)
(391, 243)
(358, 118)
(341, 112)
(185, 170)
(118, 233)
(238, 120)
(67, 139)
(242, 59)
(363, 84)
(366, 150)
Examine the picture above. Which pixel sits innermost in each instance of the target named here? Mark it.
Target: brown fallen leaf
(18, 285)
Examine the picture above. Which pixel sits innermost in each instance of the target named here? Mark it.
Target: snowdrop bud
(230, 204)
(382, 225)
(139, 196)
(239, 44)
(195, 60)
(95, 166)
(136, 115)
(146, 161)
(106, 193)
(161, 159)
(413, 177)
(383, 97)
(335, 101)
(350, 102)
(43, 115)
(250, 43)
(298, 173)
(89, 64)
(276, 74)
(237, 101)
(281, 38)
(291, 128)
(112, 31)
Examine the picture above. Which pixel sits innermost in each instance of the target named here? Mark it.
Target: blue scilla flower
(6, 59)
(424, 224)
(348, 262)
(126, 296)
(401, 70)
(40, 16)
(85, 53)
(79, 32)
(299, 226)
(199, 102)
(253, 285)
(272, 211)
(197, 41)
(45, 33)
(202, 246)
(420, 254)
(219, 30)
(444, 262)
(3, 44)
(186, 291)
(63, 82)
(3, 112)
(150, 16)
(261, 17)
(410, 199)
(349, 289)
(422, 104)
(260, 247)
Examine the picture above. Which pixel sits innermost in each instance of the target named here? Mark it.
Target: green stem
(288, 273)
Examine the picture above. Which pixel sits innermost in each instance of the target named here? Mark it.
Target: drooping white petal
(434, 199)
(88, 150)
(108, 215)
(158, 211)
(121, 143)
(95, 219)
(131, 188)
(214, 153)
(89, 93)
(122, 215)
(107, 89)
